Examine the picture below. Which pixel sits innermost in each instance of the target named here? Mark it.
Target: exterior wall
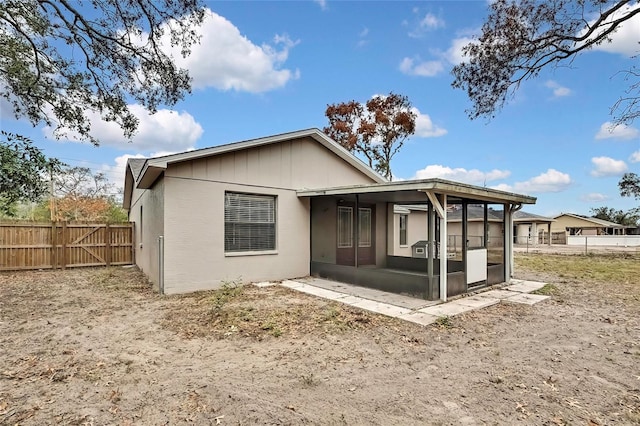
(416, 231)
(194, 250)
(323, 237)
(194, 212)
(297, 164)
(146, 235)
(381, 234)
(522, 234)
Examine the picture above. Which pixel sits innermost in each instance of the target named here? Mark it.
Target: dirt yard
(96, 346)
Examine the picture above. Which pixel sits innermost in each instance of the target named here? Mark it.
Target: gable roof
(149, 169)
(600, 223)
(136, 165)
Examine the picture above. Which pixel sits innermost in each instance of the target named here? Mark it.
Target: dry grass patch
(619, 268)
(248, 311)
(602, 276)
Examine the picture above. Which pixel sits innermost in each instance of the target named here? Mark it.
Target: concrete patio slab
(419, 318)
(525, 286)
(291, 284)
(382, 308)
(498, 294)
(408, 308)
(526, 299)
(477, 302)
(351, 300)
(371, 294)
(320, 292)
(446, 309)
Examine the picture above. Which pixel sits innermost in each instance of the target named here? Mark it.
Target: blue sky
(270, 67)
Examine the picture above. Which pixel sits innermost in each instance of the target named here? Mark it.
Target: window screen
(364, 237)
(249, 222)
(345, 227)
(403, 229)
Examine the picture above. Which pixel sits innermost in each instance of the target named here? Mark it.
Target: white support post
(508, 242)
(443, 247)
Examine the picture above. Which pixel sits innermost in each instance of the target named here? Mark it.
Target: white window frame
(365, 239)
(244, 223)
(345, 239)
(406, 230)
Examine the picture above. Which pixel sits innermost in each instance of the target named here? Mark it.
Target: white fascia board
(439, 186)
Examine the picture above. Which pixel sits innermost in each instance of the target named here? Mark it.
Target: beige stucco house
(293, 205)
(574, 224)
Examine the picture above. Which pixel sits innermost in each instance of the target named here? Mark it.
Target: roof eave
(437, 185)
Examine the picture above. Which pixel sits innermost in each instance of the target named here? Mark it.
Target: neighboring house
(410, 224)
(574, 224)
(294, 205)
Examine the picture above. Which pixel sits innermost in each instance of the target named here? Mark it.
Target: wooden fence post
(54, 245)
(64, 245)
(107, 241)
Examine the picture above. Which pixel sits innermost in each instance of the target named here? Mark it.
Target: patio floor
(412, 309)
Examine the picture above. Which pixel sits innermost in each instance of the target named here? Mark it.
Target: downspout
(161, 264)
(357, 230)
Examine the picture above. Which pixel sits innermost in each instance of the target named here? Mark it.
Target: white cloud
(431, 21)
(427, 23)
(594, 197)
(606, 166)
(550, 181)
(425, 127)
(362, 37)
(624, 40)
(635, 157)
(116, 172)
(454, 53)
(452, 56)
(165, 130)
(558, 90)
(227, 60)
(473, 176)
(420, 68)
(619, 131)
(322, 3)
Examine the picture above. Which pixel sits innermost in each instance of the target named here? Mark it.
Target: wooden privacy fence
(62, 245)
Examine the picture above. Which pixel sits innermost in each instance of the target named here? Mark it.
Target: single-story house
(294, 205)
(574, 224)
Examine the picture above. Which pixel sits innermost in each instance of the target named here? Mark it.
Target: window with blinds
(249, 222)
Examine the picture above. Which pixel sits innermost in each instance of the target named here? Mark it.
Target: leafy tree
(520, 38)
(61, 58)
(629, 218)
(376, 130)
(24, 171)
(81, 195)
(630, 185)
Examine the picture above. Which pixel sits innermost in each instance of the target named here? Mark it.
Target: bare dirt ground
(96, 346)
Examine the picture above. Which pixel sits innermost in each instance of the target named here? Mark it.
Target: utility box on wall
(420, 249)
